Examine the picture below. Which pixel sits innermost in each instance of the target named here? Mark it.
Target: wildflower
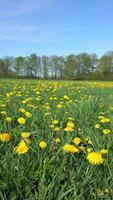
(104, 151)
(28, 114)
(55, 121)
(66, 97)
(21, 120)
(57, 129)
(89, 150)
(57, 140)
(70, 148)
(77, 140)
(105, 120)
(25, 135)
(59, 106)
(51, 126)
(97, 125)
(95, 158)
(106, 131)
(9, 119)
(22, 148)
(5, 137)
(42, 144)
(70, 124)
(3, 112)
(68, 129)
(22, 110)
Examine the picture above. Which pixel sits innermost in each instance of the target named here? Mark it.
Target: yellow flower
(28, 114)
(25, 135)
(51, 126)
(22, 148)
(97, 125)
(9, 119)
(105, 120)
(42, 144)
(3, 112)
(106, 131)
(95, 158)
(70, 148)
(89, 150)
(71, 118)
(22, 110)
(57, 140)
(68, 129)
(21, 120)
(55, 121)
(70, 124)
(66, 97)
(77, 140)
(104, 151)
(57, 129)
(5, 137)
(59, 106)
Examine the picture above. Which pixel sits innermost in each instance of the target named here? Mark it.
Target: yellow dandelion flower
(77, 140)
(57, 140)
(22, 148)
(68, 129)
(104, 151)
(25, 135)
(51, 126)
(106, 131)
(28, 114)
(9, 119)
(5, 137)
(66, 97)
(70, 124)
(22, 110)
(95, 158)
(21, 120)
(97, 125)
(70, 148)
(105, 120)
(55, 122)
(42, 144)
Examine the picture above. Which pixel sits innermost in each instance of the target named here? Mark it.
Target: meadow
(56, 140)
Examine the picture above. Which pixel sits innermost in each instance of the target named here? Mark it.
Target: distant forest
(83, 66)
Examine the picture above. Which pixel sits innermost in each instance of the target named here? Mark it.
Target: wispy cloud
(21, 7)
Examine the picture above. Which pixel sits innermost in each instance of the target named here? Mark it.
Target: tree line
(83, 66)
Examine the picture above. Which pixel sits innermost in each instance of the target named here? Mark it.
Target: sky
(49, 27)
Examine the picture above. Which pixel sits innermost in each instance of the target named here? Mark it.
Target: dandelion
(5, 137)
(66, 97)
(57, 140)
(70, 124)
(28, 114)
(21, 120)
(106, 131)
(9, 119)
(22, 148)
(77, 140)
(70, 148)
(42, 144)
(95, 158)
(25, 135)
(104, 151)
(55, 122)
(97, 125)
(68, 129)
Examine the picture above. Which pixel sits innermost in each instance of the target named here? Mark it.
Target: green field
(56, 140)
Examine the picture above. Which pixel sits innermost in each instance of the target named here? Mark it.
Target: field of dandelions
(56, 140)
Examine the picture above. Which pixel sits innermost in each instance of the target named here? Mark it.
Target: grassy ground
(37, 120)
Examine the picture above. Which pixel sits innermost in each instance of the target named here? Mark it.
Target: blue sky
(55, 27)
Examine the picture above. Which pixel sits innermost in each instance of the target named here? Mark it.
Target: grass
(51, 173)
